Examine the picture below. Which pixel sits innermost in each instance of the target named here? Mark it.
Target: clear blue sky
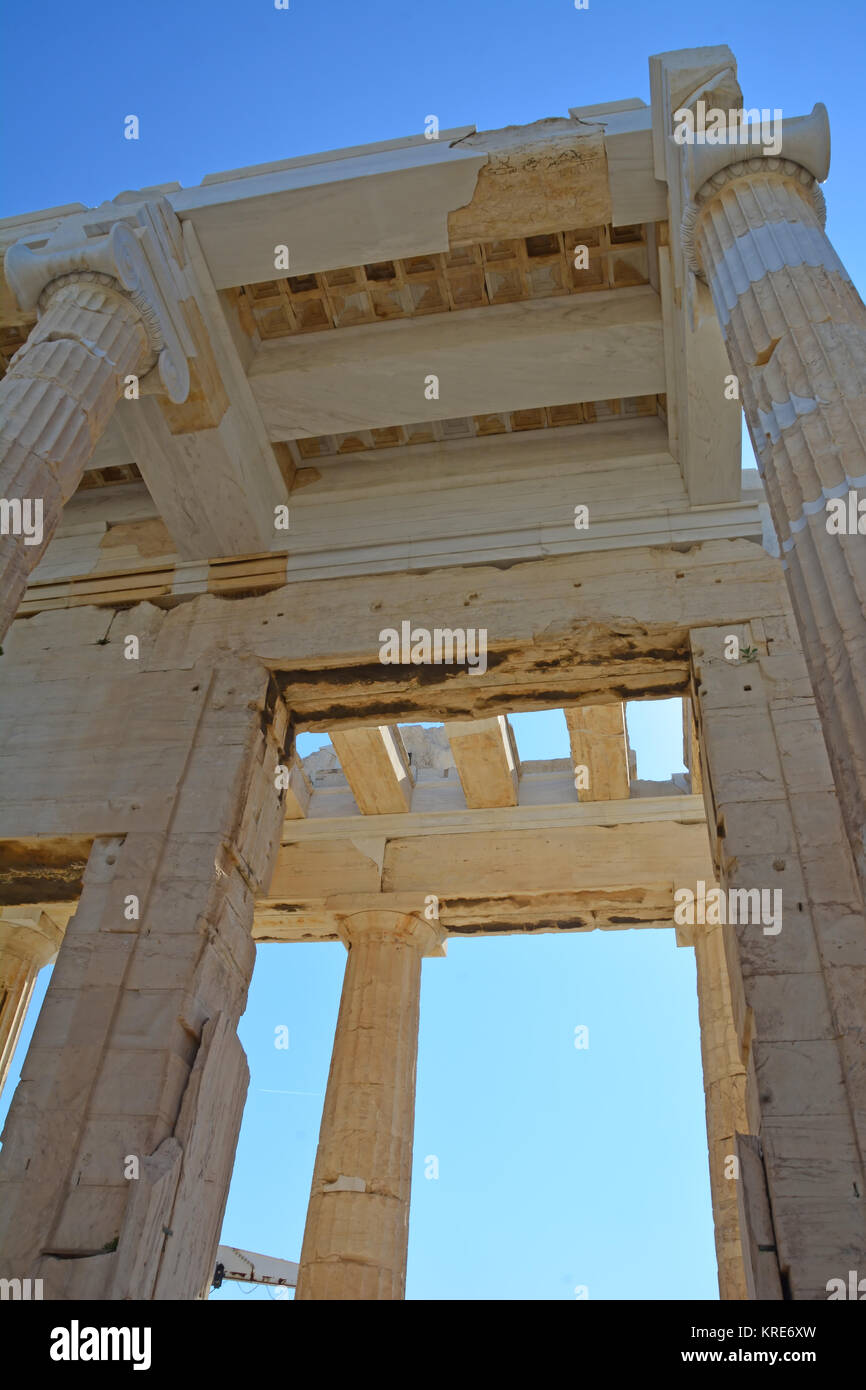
(557, 1167)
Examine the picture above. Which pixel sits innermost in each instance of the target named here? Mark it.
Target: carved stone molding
(738, 170)
(803, 154)
(802, 140)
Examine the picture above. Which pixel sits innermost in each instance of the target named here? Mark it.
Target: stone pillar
(796, 953)
(29, 939)
(795, 331)
(118, 1149)
(725, 1100)
(108, 309)
(357, 1230)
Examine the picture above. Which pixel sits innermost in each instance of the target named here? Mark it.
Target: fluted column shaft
(795, 330)
(357, 1230)
(28, 940)
(55, 401)
(725, 1100)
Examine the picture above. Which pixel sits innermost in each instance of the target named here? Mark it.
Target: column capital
(743, 169)
(803, 141)
(796, 149)
(395, 926)
(133, 246)
(29, 934)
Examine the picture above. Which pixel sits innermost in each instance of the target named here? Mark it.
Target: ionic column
(357, 1230)
(103, 315)
(795, 331)
(28, 940)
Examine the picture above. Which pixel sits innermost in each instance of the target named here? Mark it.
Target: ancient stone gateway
(438, 429)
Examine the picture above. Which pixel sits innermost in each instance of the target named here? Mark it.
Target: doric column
(107, 305)
(357, 1230)
(795, 331)
(28, 940)
(118, 1149)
